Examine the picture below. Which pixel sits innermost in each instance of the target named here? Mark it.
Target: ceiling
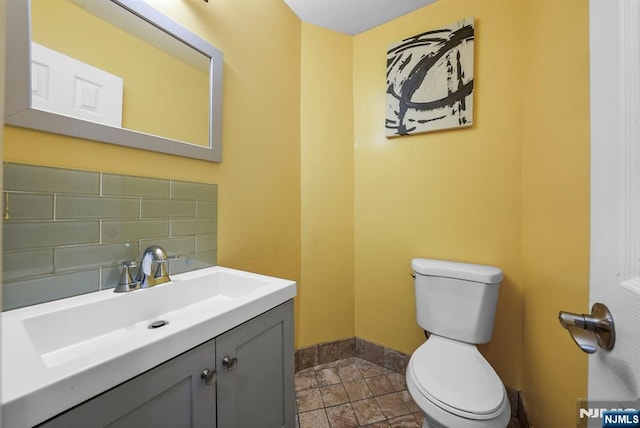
(352, 16)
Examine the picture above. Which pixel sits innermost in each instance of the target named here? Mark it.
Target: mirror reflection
(96, 61)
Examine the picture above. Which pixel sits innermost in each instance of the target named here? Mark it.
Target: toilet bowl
(455, 387)
(447, 377)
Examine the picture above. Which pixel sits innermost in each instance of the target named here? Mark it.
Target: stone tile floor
(353, 393)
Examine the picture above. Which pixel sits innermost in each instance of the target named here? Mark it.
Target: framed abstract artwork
(430, 81)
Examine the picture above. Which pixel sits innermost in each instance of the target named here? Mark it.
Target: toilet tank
(456, 300)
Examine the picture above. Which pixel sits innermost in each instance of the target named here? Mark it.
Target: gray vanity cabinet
(256, 372)
(171, 395)
(254, 387)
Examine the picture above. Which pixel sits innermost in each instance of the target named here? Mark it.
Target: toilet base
(425, 424)
(434, 424)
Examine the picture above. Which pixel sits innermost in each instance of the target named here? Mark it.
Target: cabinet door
(256, 390)
(171, 395)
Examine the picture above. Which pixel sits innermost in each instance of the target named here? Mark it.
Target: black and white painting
(430, 81)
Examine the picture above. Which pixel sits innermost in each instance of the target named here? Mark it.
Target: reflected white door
(63, 85)
(614, 376)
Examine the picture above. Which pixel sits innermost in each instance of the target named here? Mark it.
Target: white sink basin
(80, 328)
(56, 355)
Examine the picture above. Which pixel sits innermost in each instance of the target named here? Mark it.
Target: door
(614, 376)
(255, 385)
(171, 395)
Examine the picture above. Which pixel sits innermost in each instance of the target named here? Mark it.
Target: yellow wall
(555, 222)
(512, 191)
(259, 181)
(326, 290)
(449, 195)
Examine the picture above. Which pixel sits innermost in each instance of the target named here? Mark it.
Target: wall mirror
(115, 71)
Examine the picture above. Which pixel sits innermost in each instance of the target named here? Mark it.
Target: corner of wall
(326, 289)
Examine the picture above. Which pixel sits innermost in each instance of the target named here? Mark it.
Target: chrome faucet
(154, 254)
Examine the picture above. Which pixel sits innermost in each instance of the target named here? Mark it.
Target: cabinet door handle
(230, 363)
(209, 376)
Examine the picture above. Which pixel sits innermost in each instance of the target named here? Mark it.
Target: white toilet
(447, 377)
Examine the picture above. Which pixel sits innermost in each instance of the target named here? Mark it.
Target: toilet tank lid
(457, 270)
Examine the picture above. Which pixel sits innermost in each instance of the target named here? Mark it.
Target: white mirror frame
(19, 111)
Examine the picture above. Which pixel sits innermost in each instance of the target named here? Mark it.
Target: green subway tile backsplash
(193, 261)
(207, 209)
(78, 207)
(40, 234)
(66, 232)
(173, 246)
(28, 206)
(122, 185)
(29, 178)
(110, 275)
(194, 191)
(24, 264)
(44, 289)
(127, 230)
(192, 226)
(207, 242)
(87, 256)
(171, 208)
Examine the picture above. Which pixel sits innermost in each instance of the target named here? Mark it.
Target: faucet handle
(126, 282)
(161, 274)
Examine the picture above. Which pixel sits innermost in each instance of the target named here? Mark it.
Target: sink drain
(158, 324)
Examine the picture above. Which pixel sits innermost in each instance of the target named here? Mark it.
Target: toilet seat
(455, 377)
